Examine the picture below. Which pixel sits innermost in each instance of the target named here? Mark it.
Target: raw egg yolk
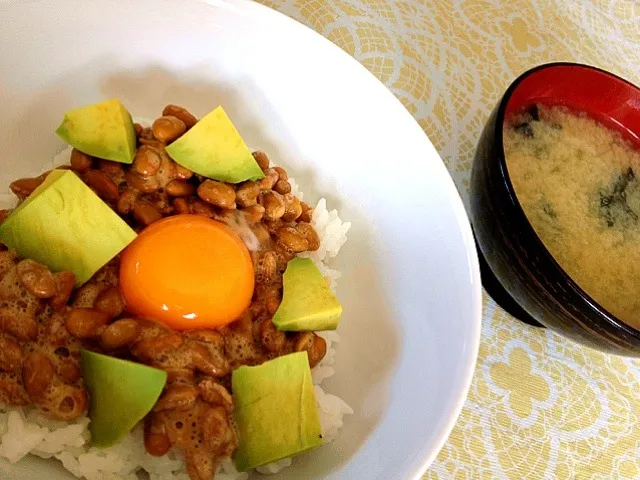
(187, 271)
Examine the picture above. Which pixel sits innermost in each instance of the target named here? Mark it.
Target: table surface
(540, 407)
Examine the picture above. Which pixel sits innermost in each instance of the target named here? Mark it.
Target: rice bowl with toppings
(410, 288)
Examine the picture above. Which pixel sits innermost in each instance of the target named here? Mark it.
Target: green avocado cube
(121, 393)
(214, 148)
(307, 301)
(276, 410)
(63, 224)
(103, 130)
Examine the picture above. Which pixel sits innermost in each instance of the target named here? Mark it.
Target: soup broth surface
(578, 184)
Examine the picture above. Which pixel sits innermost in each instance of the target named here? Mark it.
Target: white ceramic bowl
(411, 287)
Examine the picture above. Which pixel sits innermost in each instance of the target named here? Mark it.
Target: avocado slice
(63, 224)
(276, 410)
(214, 148)
(104, 130)
(307, 301)
(121, 393)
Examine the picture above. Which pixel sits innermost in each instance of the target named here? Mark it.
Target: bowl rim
(605, 315)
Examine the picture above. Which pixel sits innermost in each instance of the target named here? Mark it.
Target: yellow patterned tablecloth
(540, 407)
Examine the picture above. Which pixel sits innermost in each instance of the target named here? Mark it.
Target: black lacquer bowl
(519, 272)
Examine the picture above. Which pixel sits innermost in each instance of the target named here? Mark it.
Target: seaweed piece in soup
(614, 208)
(524, 129)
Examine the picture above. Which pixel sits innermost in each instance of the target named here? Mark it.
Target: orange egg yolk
(187, 271)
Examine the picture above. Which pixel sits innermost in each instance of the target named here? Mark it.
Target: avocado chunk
(121, 393)
(307, 301)
(214, 148)
(276, 410)
(63, 224)
(104, 130)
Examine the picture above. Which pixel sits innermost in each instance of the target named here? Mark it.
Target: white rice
(25, 431)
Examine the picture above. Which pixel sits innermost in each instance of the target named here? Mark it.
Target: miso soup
(579, 185)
